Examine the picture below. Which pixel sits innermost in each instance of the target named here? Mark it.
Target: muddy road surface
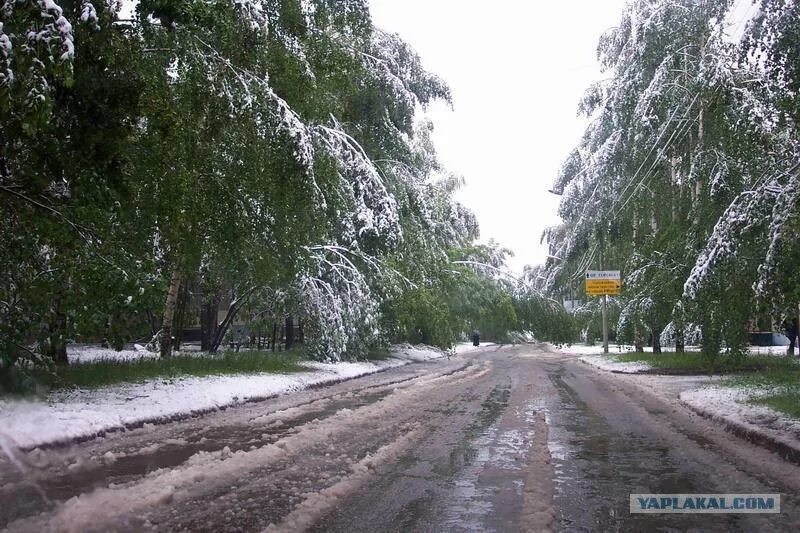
(500, 439)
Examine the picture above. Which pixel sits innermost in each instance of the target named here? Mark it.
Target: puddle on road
(467, 503)
(486, 470)
(128, 467)
(596, 469)
(466, 450)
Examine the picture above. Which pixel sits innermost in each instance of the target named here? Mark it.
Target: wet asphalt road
(505, 439)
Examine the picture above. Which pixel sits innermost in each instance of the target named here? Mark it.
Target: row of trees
(687, 177)
(266, 155)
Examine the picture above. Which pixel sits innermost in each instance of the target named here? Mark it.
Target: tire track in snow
(206, 470)
(60, 473)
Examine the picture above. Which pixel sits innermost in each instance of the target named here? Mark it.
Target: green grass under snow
(101, 373)
(781, 375)
(783, 384)
(695, 361)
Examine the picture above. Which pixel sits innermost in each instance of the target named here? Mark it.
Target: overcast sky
(517, 69)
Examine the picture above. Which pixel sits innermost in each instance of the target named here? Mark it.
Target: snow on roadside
(79, 414)
(597, 349)
(79, 355)
(416, 353)
(610, 363)
(729, 406)
(83, 354)
(579, 349)
(594, 356)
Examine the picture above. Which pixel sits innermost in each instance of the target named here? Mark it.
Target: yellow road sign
(603, 282)
(594, 288)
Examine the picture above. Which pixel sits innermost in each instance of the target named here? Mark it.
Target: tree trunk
(676, 189)
(57, 350)
(274, 334)
(679, 319)
(300, 332)
(209, 311)
(656, 340)
(236, 305)
(680, 336)
(699, 183)
(219, 334)
(638, 343)
(289, 332)
(165, 337)
(653, 215)
(680, 340)
(180, 315)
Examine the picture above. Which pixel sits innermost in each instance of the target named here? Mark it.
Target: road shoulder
(710, 398)
(65, 417)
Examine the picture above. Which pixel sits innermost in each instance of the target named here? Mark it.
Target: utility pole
(605, 300)
(605, 296)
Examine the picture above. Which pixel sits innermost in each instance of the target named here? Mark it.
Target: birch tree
(680, 137)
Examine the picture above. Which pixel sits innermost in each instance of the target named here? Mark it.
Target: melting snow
(79, 414)
(729, 405)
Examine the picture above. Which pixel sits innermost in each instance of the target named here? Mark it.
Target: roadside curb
(788, 449)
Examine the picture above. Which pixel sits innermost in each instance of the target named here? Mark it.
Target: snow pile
(81, 414)
(416, 353)
(611, 364)
(729, 406)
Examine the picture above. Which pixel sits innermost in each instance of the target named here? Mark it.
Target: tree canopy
(686, 178)
(268, 157)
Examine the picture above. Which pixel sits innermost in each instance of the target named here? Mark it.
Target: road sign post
(603, 283)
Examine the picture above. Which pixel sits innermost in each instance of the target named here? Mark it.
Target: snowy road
(505, 439)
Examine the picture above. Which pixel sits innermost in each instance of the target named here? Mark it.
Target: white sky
(517, 69)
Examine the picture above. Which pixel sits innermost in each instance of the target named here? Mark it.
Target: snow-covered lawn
(597, 349)
(729, 405)
(80, 354)
(593, 355)
(79, 414)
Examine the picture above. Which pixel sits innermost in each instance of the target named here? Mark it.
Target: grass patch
(788, 376)
(783, 384)
(696, 362)
(101, 373)
(787, 402)
(378, 354)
